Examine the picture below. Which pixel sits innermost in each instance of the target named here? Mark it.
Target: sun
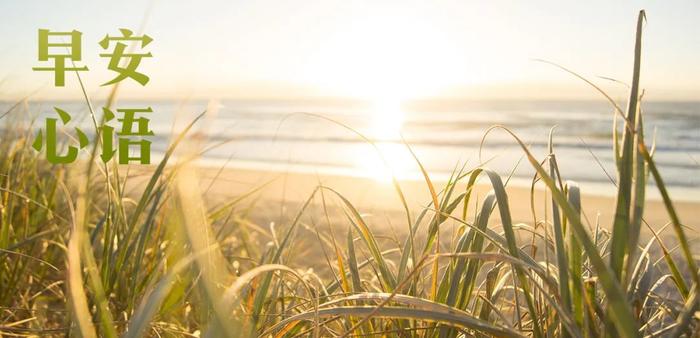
(385, 56)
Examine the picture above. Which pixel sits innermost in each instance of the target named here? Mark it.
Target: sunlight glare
(386, 120)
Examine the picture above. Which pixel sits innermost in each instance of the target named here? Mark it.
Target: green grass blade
(621, 314)
(575, 253)
(387, 277)
(455, 318)
(619, 248)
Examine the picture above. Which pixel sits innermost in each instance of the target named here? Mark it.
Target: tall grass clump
(83, 255)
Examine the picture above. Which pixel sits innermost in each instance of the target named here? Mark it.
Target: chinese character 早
(129, 70)
(51, 142)
(60, 47)
(129, 122)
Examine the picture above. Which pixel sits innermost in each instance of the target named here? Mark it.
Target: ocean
(330, 136)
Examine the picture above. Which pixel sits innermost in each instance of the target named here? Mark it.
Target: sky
(364, 49)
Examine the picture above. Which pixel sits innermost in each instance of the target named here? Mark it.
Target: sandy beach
(379, 198)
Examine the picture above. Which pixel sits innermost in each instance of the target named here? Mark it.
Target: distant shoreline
(380, 198)
(591, 188)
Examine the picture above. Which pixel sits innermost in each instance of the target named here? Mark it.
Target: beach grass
(81, 255)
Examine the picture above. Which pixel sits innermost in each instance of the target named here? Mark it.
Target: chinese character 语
(128, 122)
(51, 142)
(119, 53)
(51, 49)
